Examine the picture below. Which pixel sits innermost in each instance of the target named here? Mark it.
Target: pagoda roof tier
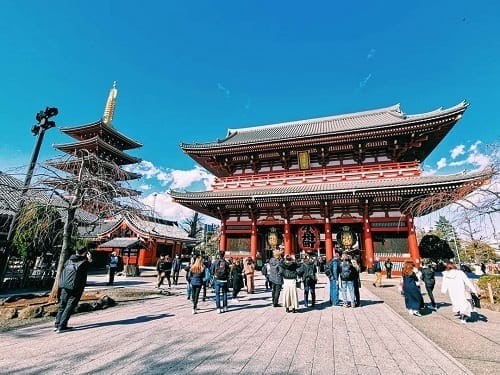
(382, 193)
(109, 191)
(73, 166)
(104, 131)
(100, 148)
(385, 132)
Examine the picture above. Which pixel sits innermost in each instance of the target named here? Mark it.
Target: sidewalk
(476, 345)
(162, 336)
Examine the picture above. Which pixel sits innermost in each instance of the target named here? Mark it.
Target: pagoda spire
(109, 110)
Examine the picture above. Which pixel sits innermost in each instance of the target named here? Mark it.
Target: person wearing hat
(113, 267)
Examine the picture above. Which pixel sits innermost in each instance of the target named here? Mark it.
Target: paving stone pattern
(162, 336)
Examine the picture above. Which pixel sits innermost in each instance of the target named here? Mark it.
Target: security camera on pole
(38, 130)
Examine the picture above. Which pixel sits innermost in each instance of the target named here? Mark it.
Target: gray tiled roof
(346, 123)
(121, 242)
(147, 227)
(413, 183)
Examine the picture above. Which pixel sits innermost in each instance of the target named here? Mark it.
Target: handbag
(298, 282)
(476, 301)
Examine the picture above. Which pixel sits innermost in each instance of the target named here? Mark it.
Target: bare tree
(84, 189)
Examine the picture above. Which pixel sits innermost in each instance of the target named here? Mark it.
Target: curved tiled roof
(346, 123)
(94, 143)
(81, 132)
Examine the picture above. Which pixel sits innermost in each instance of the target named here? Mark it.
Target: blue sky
(189, 70)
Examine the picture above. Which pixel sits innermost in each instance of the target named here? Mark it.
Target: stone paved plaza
(162, 336)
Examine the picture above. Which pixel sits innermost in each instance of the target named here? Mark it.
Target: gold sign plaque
(304, 161)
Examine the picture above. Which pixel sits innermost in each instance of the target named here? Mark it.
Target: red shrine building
(343, 182)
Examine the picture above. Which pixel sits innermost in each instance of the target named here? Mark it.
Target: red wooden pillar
(412, 241)
(253, 241)
(328, 240)
(223, 236)
(288, 238)
(368, 240)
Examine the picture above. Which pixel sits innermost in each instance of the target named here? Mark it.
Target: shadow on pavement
(136, 320)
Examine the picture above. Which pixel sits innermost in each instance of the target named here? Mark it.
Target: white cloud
(474, 147)
(145, 187)
(371, 54)
(184, 179)
(441, 163)
(457, 151)
(365, 80)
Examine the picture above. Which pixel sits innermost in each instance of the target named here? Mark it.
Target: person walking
(377, 268)
(275, 277)
(288, 270)
(168, 270)
(356, 282)
(308, 272)
(459, 287)
(347, 273)
(71, 285)
(249, 269)
(411, 289)
(332, 272)
(236, 270)
(265, 273)
(176, 269)
(220, 272)
(388, 268)
(429, 280)
(197, 271)
(113, 265)
(160, 271)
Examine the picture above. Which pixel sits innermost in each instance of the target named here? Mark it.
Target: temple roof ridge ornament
(109, 109)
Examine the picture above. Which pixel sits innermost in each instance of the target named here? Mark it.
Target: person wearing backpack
(347, 273)
(70, 287)
(275, 277)
(308, 272)
(377, 268)
(220, 272)
(332, 272)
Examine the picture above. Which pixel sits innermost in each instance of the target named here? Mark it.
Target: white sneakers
(225, 309)
(194, 311)
(219, 311)
(222, 310)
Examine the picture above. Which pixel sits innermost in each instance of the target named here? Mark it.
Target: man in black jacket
(71, 285)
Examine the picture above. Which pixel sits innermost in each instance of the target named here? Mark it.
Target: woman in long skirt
(413, 297)
(459, 287)
(288, 270)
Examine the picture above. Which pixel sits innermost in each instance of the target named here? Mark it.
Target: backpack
(221, 270)
(119, 266)
(345, 271)
(67, 280)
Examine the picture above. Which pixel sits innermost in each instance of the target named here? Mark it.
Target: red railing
(319, 175)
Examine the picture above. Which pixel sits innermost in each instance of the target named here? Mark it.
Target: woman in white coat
(459, 287)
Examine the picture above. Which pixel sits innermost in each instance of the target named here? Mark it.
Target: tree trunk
(65, 250)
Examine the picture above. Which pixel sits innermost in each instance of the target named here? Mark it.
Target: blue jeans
(220, 286)
(334, 292)
(348, 285)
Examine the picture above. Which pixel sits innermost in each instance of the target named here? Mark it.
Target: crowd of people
(284, 276)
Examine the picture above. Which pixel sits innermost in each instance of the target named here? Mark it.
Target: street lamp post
(38, 130)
